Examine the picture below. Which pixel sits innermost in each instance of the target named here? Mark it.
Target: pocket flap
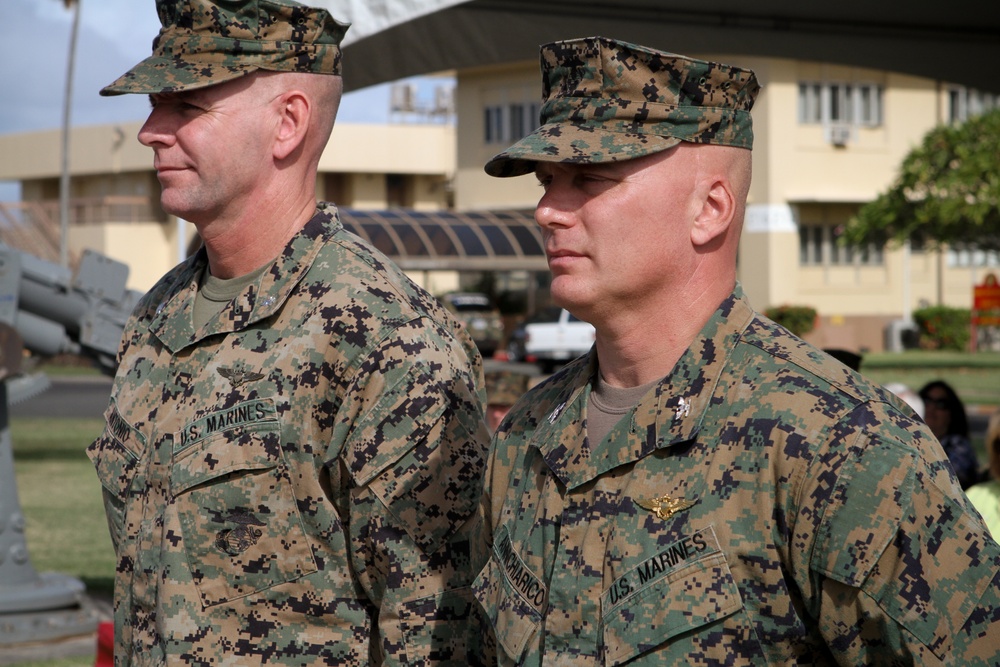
(245, 437)
(667, 595)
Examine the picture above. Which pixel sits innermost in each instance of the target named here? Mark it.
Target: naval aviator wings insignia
(239, 377)
(665, 506)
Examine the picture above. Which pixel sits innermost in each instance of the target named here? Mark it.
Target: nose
(555, 208)
(156, 130)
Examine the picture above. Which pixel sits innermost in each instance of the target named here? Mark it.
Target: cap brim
(576, 144)
(159, 74)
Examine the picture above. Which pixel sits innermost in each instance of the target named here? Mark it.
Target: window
(840, 103)
(963, 103)
(494, 125)
(819, 245)
(869, 105)
(962, 256)
(810, 95)
(506, 123)
(397, 191)
(518, 122)
(810, 245)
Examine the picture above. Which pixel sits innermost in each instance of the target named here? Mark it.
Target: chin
(568, 292)
(179, 210)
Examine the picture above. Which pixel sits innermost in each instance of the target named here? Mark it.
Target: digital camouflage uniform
(298, 474)
(762, 505)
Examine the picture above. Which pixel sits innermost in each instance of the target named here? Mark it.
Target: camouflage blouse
(762, 505)
(291, 483)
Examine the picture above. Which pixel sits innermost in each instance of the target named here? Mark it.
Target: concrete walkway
(81, 646)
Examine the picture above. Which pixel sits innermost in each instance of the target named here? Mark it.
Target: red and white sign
(986, 302)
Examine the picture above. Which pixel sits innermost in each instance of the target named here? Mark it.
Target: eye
(592, 180)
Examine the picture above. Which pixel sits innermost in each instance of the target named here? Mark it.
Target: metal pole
(907, 279)
(67, 106)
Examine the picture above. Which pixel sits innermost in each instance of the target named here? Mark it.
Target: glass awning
(448, 240)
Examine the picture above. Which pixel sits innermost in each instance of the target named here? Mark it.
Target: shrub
(943, 327)
(800, 320)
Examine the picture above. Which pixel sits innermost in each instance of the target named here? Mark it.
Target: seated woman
(945, 415)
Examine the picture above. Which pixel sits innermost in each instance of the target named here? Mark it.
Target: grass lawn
(976, 377)
(60, 495)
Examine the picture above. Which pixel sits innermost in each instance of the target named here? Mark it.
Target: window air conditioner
(840, 135)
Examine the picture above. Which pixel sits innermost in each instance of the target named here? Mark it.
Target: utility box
(901, 335)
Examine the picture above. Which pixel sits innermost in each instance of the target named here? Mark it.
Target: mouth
(561, 253)
(163, 167)
(562, 259)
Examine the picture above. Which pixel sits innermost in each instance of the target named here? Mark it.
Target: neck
(636, 348)
(241, 244)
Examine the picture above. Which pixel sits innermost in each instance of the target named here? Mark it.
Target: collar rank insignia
(239, 377)
(683, 408)
(665, 506)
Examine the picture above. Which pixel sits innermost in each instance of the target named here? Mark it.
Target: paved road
(68, 397)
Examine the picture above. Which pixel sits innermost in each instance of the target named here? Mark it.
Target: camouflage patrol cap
(204, 42)
(606, 100)
(504, 387)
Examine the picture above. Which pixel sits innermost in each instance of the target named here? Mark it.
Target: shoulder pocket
(864, 512)
(241, 526)
(685, 589)
(422, 451)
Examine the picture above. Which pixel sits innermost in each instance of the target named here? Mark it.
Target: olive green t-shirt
(214, 293)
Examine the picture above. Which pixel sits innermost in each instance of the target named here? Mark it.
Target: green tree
(947, 191)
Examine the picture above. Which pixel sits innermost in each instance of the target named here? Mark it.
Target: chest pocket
(511, 595)
(242, 532)
(686, 589)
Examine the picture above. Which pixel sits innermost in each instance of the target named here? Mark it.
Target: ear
(294, 112)
(718, 208)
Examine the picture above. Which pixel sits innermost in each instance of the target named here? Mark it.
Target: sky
(113, 36)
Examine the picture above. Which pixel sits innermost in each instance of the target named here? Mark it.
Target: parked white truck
(551, 337)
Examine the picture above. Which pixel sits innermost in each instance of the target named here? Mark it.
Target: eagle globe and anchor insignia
(235, 541)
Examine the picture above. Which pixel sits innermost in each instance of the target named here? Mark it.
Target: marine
(295, 441)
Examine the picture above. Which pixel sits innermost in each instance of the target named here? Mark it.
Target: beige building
(828, 139)
(114, 191)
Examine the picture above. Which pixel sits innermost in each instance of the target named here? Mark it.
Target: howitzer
(47, 310)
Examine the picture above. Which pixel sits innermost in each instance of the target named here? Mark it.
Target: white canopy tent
(957, 42)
